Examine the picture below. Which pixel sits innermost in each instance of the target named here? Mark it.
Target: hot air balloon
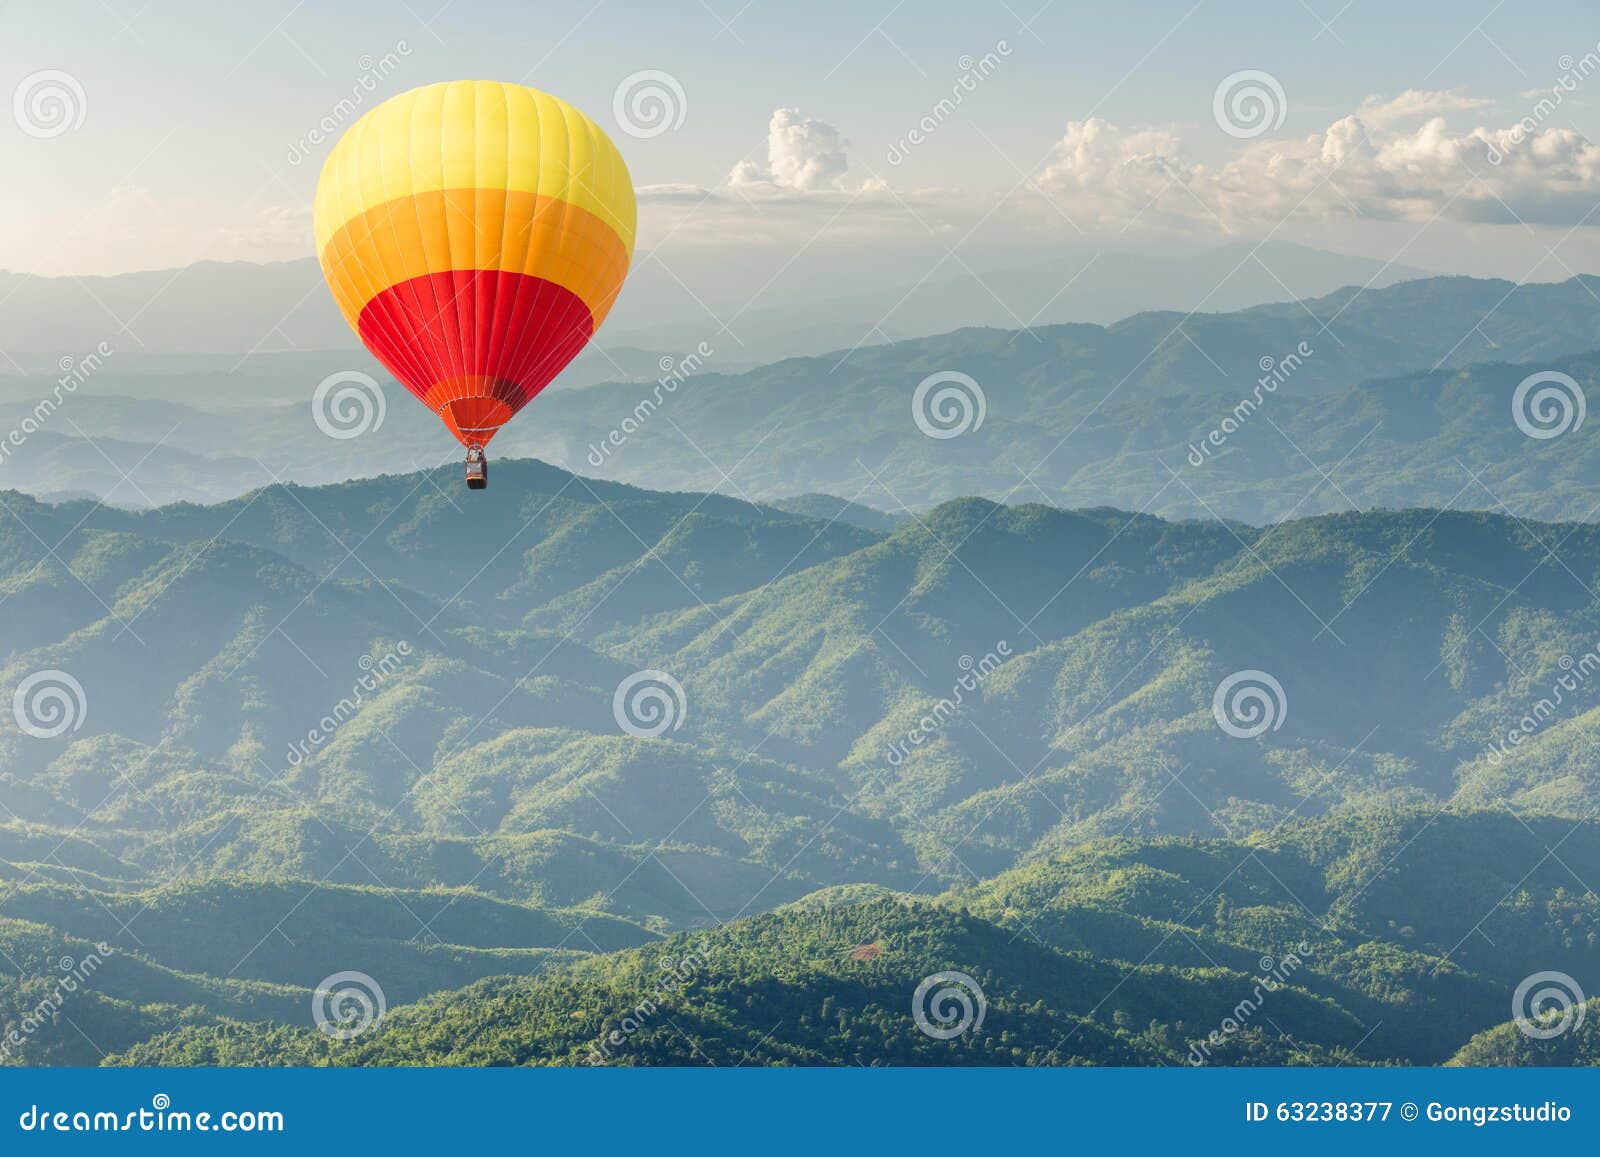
(474, 235)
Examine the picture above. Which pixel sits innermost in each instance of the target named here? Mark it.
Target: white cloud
(800, 189)
(269, 234)
(803, 154)
(1368, 164)
(1390, 162)
(673, 191)
(1416, 104)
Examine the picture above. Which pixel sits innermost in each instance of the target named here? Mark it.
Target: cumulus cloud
(673, 191)
(803, 154)
(1416, 104)
(274, 230)
(1412, 157)
(1374, 163)
(800, 188)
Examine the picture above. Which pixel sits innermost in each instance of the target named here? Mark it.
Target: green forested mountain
(1353, 438)
(790, 989)
(1506, 1044)
(377, 727)
(1124, 952)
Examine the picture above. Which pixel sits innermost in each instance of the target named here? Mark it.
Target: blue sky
(1095, 127)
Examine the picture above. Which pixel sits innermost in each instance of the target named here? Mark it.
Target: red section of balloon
(475, 345)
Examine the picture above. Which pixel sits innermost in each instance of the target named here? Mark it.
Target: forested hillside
(374, 728)
(1124, 952)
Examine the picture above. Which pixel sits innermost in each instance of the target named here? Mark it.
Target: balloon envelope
(474, 235)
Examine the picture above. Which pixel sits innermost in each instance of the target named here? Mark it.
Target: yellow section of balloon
(474, 134)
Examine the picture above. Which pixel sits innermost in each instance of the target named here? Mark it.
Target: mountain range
(238, 310)
(508, 753)
(1366, 397)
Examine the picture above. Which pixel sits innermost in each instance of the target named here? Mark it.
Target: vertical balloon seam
(374, 128)
(386, 318)
(536, 112)
(383, 130)
(486, 289)
(433, 329)
(530, 358)
(473, 287)
(464, 272)
(509, 337)
(452, 319)
(563, 239)
(449, 319)
(498, 332)
(371, 126)
(502, 338)
(516, 368)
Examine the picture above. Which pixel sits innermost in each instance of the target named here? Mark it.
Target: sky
(1449, 136)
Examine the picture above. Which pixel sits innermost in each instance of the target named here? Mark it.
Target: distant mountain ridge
(239, 308)
(1394, 397)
